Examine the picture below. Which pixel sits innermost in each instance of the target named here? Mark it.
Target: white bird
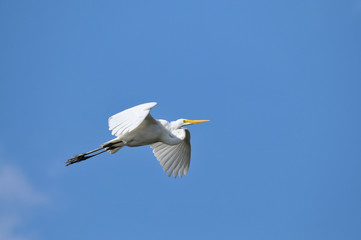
(135, 127)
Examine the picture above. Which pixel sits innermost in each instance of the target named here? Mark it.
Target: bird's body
(136, 127)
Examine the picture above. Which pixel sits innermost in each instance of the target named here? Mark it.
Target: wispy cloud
(17, 197)
(16, 188)
(8, 227)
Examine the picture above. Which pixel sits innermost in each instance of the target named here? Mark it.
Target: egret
(135, 127)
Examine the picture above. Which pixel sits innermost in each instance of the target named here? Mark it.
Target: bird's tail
(112, 146)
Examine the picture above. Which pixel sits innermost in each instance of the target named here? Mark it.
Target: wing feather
(175, 159)
(174, 164)
(170, 161)
(166, 154)
(178, 167)
(185, 162)
(129, 119)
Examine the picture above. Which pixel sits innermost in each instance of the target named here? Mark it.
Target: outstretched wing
(129, 119)
(174, 158)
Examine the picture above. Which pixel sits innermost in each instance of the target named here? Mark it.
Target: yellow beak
(195, 121)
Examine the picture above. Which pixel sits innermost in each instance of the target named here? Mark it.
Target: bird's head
(184, 122)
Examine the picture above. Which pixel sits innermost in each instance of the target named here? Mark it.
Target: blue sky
(279, 80)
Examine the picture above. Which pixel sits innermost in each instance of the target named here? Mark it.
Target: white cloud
(8, 226)
(16, 188)
(18, 197)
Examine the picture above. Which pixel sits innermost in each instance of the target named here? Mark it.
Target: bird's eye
(184, 121)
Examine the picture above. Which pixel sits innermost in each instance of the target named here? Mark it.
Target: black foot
(76, 158)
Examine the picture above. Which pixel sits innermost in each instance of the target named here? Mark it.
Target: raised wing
(174, 158)
(129, 119)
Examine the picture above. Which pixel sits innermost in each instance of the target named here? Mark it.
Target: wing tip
(150, 105)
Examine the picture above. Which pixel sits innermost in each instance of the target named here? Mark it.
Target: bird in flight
(135, 127)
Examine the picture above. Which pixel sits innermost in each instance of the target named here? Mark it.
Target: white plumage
(136, 127)
(129, 119)
(174, 158)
